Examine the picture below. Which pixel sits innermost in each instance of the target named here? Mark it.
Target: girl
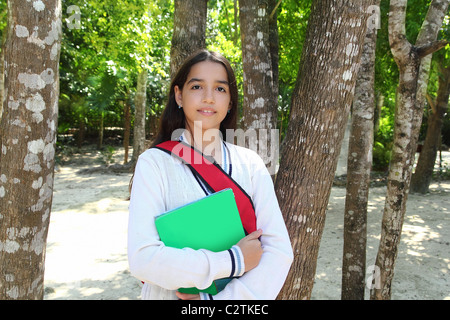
(203, 102)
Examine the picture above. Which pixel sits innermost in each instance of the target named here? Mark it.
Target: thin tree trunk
(126, 129)
(260, 93)
(274, 45)
(2, 86)
(2, 80)
(101, 131)
(139, 115)
(152, 126)
(236, 20)
(421, 179)
(319, 112)
(28, 136)
(408, 117)
(81, 131)
(189, 25)
(358, 173)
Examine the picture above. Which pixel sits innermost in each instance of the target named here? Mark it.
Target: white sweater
(161, 183)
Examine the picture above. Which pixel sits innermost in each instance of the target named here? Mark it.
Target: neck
(208, 142)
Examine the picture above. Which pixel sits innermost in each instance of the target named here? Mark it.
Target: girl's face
(205, 97)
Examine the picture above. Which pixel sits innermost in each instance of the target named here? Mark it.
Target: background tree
(408, 119)
(223, 35)
(320, 107)
(423, 174)
(189, 25)
(139, 115)
(3, 20)
(28, 136)
(260, 93)
(359, 166)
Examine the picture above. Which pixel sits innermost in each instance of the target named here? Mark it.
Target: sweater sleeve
(266, 280)
(149, 259)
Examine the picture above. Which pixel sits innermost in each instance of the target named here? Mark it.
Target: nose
(208, 96)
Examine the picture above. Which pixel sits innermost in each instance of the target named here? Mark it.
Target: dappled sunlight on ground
(423, 264)
(86, 248)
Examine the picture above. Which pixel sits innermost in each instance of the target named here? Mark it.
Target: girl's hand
(187, 296)
(251, 249)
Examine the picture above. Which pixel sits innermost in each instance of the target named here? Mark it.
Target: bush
(381, 156)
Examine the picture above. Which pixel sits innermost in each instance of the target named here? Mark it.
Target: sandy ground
(86, 251)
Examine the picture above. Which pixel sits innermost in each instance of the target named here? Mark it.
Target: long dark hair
(173, 118)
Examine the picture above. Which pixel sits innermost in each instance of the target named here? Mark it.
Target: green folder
(211, 223)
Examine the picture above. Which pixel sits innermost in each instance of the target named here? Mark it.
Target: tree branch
(400, 46)
(431, 102)
(431, 47)
(274, 10)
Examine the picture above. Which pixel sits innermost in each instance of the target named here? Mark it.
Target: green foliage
(107, 155)
(381, 156)
(292, 23)
(3, 22)
(386, 75)
(383, 141)
(101, 60)
(160, 28)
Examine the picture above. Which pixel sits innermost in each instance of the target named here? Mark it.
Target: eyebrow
(201, 80)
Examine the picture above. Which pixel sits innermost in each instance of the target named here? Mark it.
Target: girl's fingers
(255, 234)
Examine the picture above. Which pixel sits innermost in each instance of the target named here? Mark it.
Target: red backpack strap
(214, 177)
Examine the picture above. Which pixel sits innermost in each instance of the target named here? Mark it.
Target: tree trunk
(2, 86)
(421, 179)
(319, 112)
(236, 27)
(408, 118)
(126, 129)
(152, 125)
(260, 93)
(101, 131)
(28, 136)
(139, 115)
(274, 44)
(189, 25)
(81, 131)
(358, 172)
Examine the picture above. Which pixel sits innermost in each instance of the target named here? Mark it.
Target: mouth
(206, 112)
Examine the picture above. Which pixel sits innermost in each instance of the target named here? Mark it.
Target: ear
(178, 96)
